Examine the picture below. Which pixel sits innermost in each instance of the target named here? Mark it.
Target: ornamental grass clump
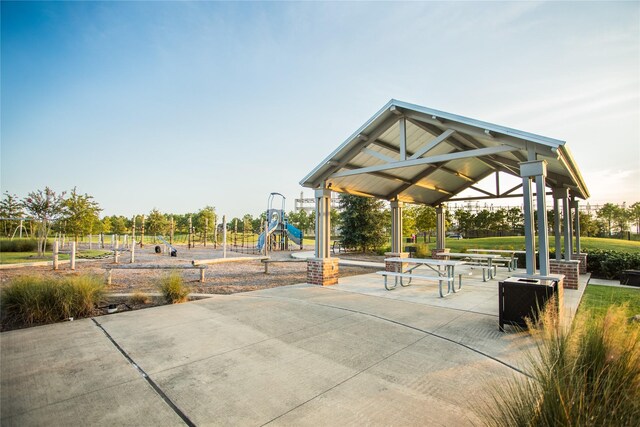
(588, 375)
(29, 300)
(173, 289)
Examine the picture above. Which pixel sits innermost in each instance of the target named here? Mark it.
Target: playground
(223, 278)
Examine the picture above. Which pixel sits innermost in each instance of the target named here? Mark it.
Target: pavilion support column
(557, 195)
(576, 224)
(440, 250)
(567, 267)
(543, 226)
(577, 253)
(396, 226)
(566, 225)
(570, 226)
(396, 239)
(529, 231)
(323, 222)
(322, 270)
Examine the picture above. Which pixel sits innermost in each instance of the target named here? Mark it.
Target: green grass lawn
(21, 257)
(517, 243)
(598, 299)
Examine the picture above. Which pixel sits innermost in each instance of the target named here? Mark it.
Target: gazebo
(406, 153)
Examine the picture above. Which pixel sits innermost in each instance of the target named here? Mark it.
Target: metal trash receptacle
(519, 298)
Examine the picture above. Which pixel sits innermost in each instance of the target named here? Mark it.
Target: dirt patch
(223, 278)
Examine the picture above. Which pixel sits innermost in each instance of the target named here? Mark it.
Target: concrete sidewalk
(300, 355)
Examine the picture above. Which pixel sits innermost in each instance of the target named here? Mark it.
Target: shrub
(608, 264)
(422, 250)
(604, 264)
(173, 289)
(588, 375)
(30, 300)
(139, 298)
(20, 245)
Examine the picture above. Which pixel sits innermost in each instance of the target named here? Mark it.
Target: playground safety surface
(223, 278)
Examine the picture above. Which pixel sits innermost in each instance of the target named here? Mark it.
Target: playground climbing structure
(279, 234)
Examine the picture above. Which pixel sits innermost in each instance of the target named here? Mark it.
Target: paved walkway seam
(152, 383)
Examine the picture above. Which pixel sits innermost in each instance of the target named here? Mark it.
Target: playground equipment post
(142, 233)
(206, 226)
(224, 236)
(266, 237)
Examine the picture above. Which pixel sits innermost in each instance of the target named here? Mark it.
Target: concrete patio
(352, 354)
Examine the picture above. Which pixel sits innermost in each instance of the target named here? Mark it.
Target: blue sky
(179, 105)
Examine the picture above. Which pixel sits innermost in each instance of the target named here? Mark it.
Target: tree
(634, 215)
(181, 222)
(608, 212)
(362, 222)
(482, 220)
(10, 207)
(425, 218)
(588, 227)
(334, 217)
(106, 225)
(499, 220)
(156, 223)
(119, 224)
(515, 218)
(247, 224)
(621, 218)
(207, 216)
(409, 220)
(46, 207)
(300, 220)
(258, 222)
(80, 213)
(465, 220)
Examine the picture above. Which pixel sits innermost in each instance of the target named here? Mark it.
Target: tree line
(361, 222)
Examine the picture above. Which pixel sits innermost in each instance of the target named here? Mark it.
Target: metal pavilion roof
(415, 154)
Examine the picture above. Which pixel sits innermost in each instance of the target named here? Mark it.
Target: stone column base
(322, 271)
(583, 261)
(569, 269)
(440, 253)
(396, 267)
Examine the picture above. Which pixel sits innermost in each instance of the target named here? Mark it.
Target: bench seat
(411, 276)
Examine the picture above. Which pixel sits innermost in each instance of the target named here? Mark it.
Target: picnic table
(444, 269)
(483, 260)
(513, 265)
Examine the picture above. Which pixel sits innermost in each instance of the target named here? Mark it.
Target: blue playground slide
(294, 234)
(272, 226)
